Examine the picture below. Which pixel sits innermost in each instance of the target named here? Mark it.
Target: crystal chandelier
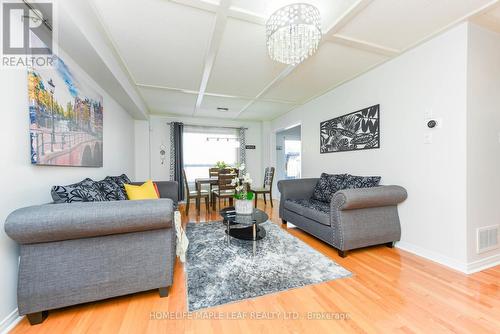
(293, 33)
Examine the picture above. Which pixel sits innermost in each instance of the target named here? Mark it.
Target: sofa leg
(163, 292)
(390, 244)
(342, 253)
(38, 317)
(283, 221)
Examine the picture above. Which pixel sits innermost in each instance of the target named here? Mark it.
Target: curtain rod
(210, 126)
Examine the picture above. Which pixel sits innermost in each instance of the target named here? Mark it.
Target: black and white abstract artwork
(359, 130)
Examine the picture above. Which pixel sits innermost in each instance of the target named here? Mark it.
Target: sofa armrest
(296, 189)
(56, 222)
(351, 199)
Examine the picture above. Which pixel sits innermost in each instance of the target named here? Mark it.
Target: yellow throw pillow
(144, 191)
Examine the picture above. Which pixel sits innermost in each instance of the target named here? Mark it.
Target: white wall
(483, 136)
(142, 151)
(25, 184)
(429, 78)
(159, 134)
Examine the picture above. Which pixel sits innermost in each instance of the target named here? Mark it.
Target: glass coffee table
(244, 227)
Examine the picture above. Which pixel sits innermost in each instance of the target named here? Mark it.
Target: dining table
(213, 180)
(205, 180)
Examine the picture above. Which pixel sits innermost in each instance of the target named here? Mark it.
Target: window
(204, 146)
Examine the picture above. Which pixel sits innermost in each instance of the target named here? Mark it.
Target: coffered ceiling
(189, 57)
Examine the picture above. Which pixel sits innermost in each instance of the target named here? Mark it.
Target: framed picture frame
(359, 130)
(66, 118)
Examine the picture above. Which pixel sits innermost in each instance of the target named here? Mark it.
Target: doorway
(288, 154)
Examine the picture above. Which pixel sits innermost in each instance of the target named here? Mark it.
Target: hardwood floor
(392, 291)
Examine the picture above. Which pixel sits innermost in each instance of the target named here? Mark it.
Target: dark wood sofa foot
(37, 318)
(163, 292)
(390, 244)
(283, 221)
(342, 253)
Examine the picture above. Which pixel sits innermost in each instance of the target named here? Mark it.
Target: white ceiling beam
(279, 78)
(213, 49)
(350, 14)
(208, 6)
(234, 12)
(362, 45)
(195, 92)
(245, 15)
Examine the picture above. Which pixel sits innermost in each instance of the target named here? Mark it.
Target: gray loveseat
(353, 219)
(75, 253)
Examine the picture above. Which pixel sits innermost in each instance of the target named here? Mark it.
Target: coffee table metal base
(247, 233)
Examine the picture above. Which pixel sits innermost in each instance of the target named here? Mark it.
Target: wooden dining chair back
(228, 170)
(197, 195)
(224, 189)
(213, 172)
(268, 177)
(267, 187)
(225, 180)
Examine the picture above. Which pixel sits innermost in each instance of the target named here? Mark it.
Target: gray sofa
(82, 252)
(355, 218)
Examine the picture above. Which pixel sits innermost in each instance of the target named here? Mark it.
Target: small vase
(243, 206)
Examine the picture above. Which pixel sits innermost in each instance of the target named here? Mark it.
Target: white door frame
(272, 143)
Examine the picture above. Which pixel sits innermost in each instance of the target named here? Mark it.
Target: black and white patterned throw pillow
(110, 189)
(83, 191)
(327, 186)
(355, 182)
(119, 181)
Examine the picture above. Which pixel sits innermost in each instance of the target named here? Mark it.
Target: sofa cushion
(356, 182)
(313, 209)
(83, 191)
(327, 186)
(120, 181)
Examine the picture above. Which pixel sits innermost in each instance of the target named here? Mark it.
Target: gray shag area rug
(222, 269)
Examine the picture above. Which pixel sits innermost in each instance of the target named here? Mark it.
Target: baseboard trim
(483, 264)
(433, 256)
(7, 324)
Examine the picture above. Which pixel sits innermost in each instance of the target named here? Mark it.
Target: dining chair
(225, 190)
(213, 172)
(267, 188)
(196, 195)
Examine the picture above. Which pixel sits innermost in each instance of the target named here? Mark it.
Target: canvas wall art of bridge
(66, 118)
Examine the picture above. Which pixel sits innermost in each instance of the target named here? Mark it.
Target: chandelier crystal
(293, 33)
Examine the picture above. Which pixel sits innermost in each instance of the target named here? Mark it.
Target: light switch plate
(428, 113)
(428, 138)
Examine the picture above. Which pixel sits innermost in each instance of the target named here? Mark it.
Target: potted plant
(243, 198)
(221, 164)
